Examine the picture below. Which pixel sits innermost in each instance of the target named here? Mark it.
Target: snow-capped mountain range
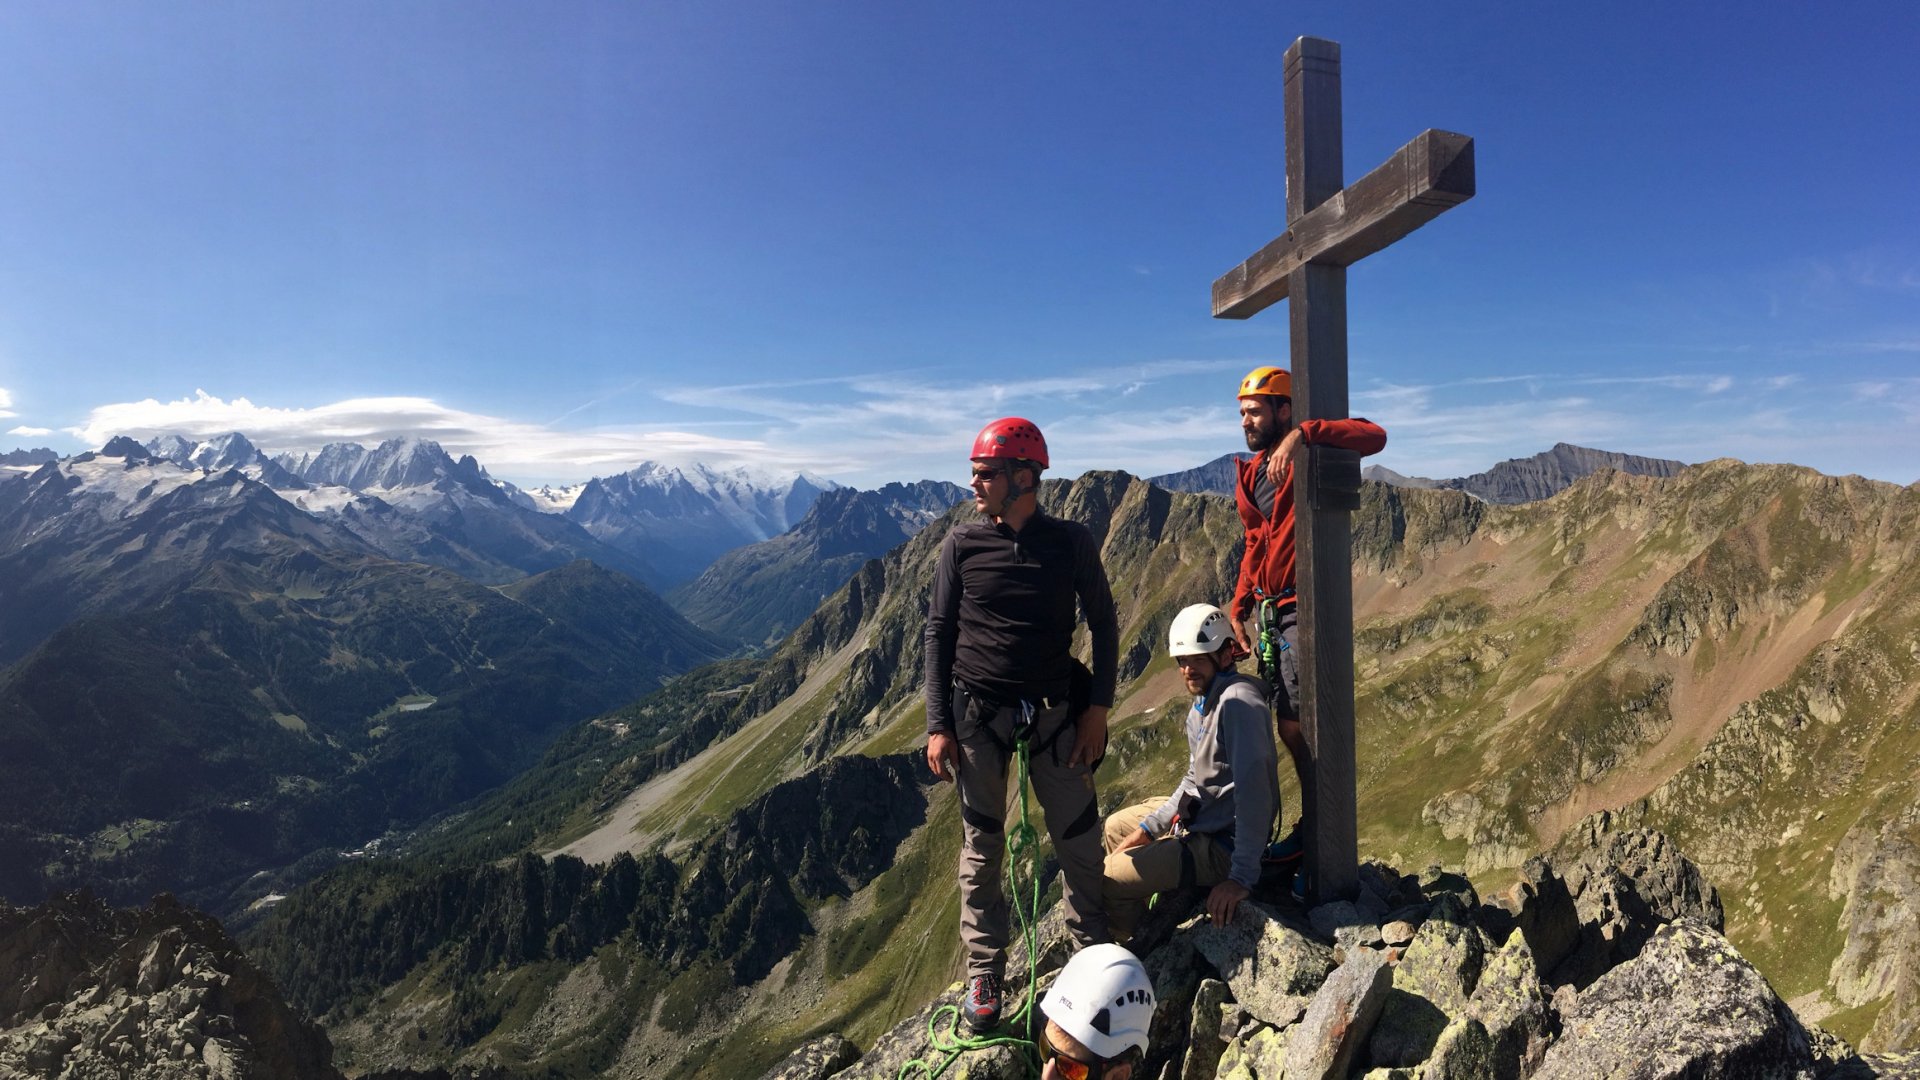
(409, 499)
(682, 519)
(121, 528)
(546, 498)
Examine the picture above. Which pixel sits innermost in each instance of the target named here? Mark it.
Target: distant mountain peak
(1519, 480)
(1216, 476)
(39, 455)
(407, 462)
(1550, 472)
(172, 447)
(120, 446)
(546, 498)
(685, 516)
(761, 591)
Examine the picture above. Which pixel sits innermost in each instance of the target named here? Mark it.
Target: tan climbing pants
(1134, 875)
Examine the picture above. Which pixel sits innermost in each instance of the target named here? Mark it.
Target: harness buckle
(1023, 721)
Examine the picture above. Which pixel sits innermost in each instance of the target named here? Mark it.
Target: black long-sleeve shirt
(1002, 614)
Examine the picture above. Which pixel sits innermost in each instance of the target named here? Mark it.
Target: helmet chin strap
(1014, 490)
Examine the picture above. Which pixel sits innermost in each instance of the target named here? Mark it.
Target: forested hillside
(297, 707)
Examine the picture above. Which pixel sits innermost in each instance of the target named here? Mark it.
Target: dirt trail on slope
(696, 777)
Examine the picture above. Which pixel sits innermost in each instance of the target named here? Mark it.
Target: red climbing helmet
(1011, 437)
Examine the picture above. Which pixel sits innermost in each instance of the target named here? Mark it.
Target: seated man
(1098, 1012)
(1213, 829)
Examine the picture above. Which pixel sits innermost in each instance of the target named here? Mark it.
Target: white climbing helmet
(1199, 630)
(1104, 999)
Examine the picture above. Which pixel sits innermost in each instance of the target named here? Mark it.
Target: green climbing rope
(1024, 841)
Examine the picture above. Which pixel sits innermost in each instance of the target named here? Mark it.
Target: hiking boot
(1287, 850)
(981, 1004)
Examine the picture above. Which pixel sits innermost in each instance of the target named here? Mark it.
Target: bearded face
(1264, 420)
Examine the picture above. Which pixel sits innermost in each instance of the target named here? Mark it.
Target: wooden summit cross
(1328, 228)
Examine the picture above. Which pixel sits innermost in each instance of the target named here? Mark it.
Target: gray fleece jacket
(1231, 791)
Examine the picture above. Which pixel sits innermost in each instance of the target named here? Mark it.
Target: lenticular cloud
(507, 447)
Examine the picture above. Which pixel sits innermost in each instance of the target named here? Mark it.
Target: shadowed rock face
(825, 833)
(1687, 1005)
(1878, 871)
(819, 1059)
(740, 900)
(159, 992)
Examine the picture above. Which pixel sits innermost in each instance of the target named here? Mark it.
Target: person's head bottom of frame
(1098, 1012)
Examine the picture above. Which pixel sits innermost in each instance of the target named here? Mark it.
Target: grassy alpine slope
(1726, 655)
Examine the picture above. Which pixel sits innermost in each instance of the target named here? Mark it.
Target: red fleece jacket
(1267, 563)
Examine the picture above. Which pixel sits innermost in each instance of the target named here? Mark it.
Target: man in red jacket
(1263, 490)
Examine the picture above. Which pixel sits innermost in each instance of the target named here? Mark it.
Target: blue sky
(839, 237)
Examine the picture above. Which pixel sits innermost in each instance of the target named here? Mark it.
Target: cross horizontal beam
(1418, 183)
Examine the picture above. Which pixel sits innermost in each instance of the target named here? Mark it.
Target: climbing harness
(1023, 727)
(1024, 840)
(1267, 618)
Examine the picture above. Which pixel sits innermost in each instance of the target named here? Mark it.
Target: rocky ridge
(1542, 476)
(153, 994)
(1517, 480)
(1606, 959)
(39, 455)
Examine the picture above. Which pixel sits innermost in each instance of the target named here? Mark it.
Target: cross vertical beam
(1329, 227)
(1317, 316)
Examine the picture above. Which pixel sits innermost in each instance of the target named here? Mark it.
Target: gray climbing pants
(1066, 797)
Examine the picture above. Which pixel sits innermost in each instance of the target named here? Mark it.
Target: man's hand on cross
(1281, 459)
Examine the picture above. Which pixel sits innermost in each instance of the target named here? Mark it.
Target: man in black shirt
(999, 663)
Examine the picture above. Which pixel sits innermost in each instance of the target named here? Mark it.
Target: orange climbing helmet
(1267, 381)
(1010, 437)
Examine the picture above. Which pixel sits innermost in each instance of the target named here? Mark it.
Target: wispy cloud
(30, 432)
(6, 404)
(1878, 270)
(1706, 384)
(507, 447)
(1900, 395)
(598, 401)
(1842, 282)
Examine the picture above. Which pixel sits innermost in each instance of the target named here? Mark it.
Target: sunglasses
(1070, 1067)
